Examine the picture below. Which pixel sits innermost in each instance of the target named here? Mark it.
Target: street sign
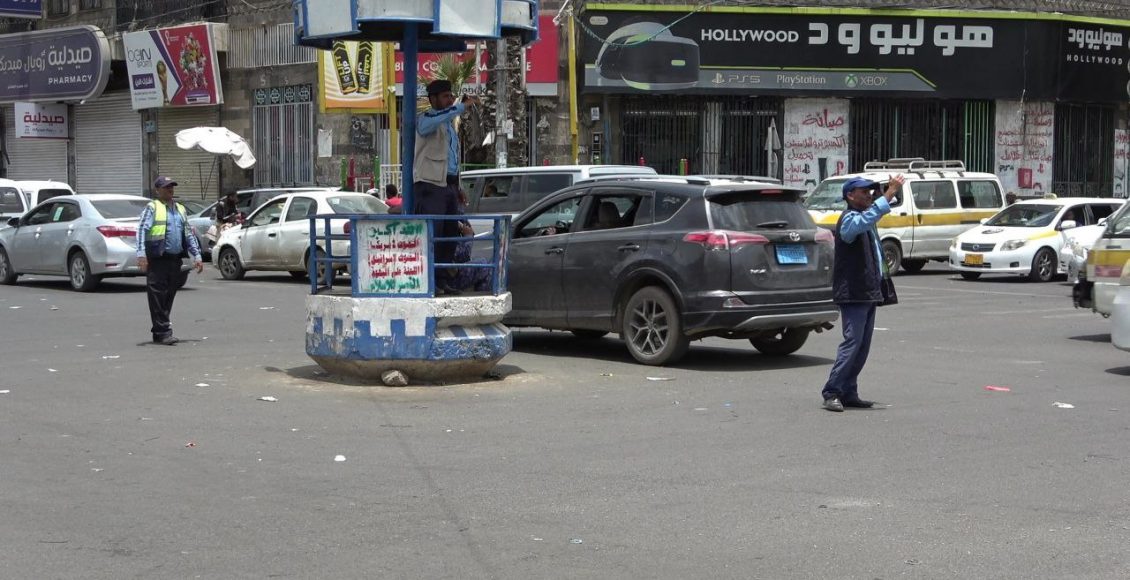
(21, 8)
(56, 64)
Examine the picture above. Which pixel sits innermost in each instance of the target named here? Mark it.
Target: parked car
(201, 221)
(84, 237)
(939, 201)
(1078, 245)
(1106, 264)
(514, 189)
(664, 261)
(36, 192)
(1026, 238)
(277, 235)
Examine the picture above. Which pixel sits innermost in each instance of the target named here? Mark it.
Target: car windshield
(1027, 215)
(116, 209)
(744, 212)
(827, 196)
(356, 204)
(45, 194)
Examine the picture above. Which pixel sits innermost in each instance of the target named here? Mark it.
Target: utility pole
(501, 93)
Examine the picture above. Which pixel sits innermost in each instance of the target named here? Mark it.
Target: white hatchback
(1026, 238)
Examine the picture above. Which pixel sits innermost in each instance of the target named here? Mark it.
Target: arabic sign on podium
(392, 258)
(41, 121)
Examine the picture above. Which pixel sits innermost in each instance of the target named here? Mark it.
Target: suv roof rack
(915, 164)
(688, 179)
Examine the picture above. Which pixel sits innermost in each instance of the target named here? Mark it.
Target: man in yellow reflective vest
(164, 239)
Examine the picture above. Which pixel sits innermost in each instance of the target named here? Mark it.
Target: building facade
(802, 94)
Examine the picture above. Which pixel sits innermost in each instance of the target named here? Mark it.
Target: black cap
(438, 86)
(164, 181)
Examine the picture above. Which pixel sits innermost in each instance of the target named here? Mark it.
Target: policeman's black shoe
(833, 404)
(858, 403)
(166, 340)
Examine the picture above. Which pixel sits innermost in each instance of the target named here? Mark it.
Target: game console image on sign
(646, 56)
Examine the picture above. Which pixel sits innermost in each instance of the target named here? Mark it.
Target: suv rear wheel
(785, 342)
(653, 327)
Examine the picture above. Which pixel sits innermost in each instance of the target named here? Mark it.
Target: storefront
(30, 153)
(803, 94)
(108, 146)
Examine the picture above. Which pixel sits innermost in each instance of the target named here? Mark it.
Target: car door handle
(552, 251)
(272, 235)
(629, 248)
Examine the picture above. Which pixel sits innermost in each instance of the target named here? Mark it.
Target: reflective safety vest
(155, 238)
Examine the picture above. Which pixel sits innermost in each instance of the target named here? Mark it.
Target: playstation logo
(718, 79)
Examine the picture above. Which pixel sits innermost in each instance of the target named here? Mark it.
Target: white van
(939, 201)
(513, 190)
(38, 191)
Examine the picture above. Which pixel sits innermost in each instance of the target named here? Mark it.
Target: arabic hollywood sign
(942, 56)
(41, 121)
(173, 67)
(57, 64)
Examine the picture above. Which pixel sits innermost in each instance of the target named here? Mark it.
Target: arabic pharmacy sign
(782, 51)
(173, 67)
(57, 64)
(21, 8)
(392, 258)
(41, 121)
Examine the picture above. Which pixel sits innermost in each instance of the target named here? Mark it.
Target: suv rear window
(745, 211)
(45, 194)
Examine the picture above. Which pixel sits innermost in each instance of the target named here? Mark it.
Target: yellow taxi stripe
(1045, 235)
(1104, 257)
(970, 218)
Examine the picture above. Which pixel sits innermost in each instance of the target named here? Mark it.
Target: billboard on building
(57, 64)
(935, 54)
(351, 77)
(173, 67)
(21, 8)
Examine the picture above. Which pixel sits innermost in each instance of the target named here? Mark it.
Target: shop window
(1084, 150)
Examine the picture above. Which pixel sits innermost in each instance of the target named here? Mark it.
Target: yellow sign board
(352, 77)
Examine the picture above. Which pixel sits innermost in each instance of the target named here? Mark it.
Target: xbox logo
(851, 81)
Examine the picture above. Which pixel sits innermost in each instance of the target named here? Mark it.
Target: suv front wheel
(652, 327)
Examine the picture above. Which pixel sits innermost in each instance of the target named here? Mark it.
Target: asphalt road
(123, 460)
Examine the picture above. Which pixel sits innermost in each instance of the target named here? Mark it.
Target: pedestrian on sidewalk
(393, 199)
(164, 238)
(857, 278)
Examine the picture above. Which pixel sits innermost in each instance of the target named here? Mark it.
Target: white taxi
(1026, 238)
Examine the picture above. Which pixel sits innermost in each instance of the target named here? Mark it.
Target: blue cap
(856, 183)
(163, 182)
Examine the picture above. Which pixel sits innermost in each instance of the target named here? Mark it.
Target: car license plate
(791, 254)
(974, 259)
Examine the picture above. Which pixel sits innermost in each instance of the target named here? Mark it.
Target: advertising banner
(41, 121)
(21, 8)
(1025, 146)
(921, 53)
(351, 76)
(57, 64)
(173, 67)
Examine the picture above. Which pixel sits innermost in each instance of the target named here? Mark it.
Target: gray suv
(666, 260)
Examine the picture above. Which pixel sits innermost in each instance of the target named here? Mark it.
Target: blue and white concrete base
(428, 339)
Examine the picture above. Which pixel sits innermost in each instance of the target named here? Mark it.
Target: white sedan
(276, 236)
(1026, 238)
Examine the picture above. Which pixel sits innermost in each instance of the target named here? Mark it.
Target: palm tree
(458, 71)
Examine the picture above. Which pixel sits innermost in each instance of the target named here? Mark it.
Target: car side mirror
(14, 222)
(1067, 225)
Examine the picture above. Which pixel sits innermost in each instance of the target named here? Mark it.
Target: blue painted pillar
(410, 48)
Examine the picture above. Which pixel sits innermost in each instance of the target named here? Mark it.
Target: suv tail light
(724, 240)
(824, 236)
(117, 232)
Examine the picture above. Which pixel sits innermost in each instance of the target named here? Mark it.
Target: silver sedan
(83, 237)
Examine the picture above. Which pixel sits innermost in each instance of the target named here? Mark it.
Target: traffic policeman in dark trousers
(857, 278)
(164, 238)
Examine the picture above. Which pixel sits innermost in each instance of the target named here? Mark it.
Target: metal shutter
(34, 159)
(108, 146)
(196, 172)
